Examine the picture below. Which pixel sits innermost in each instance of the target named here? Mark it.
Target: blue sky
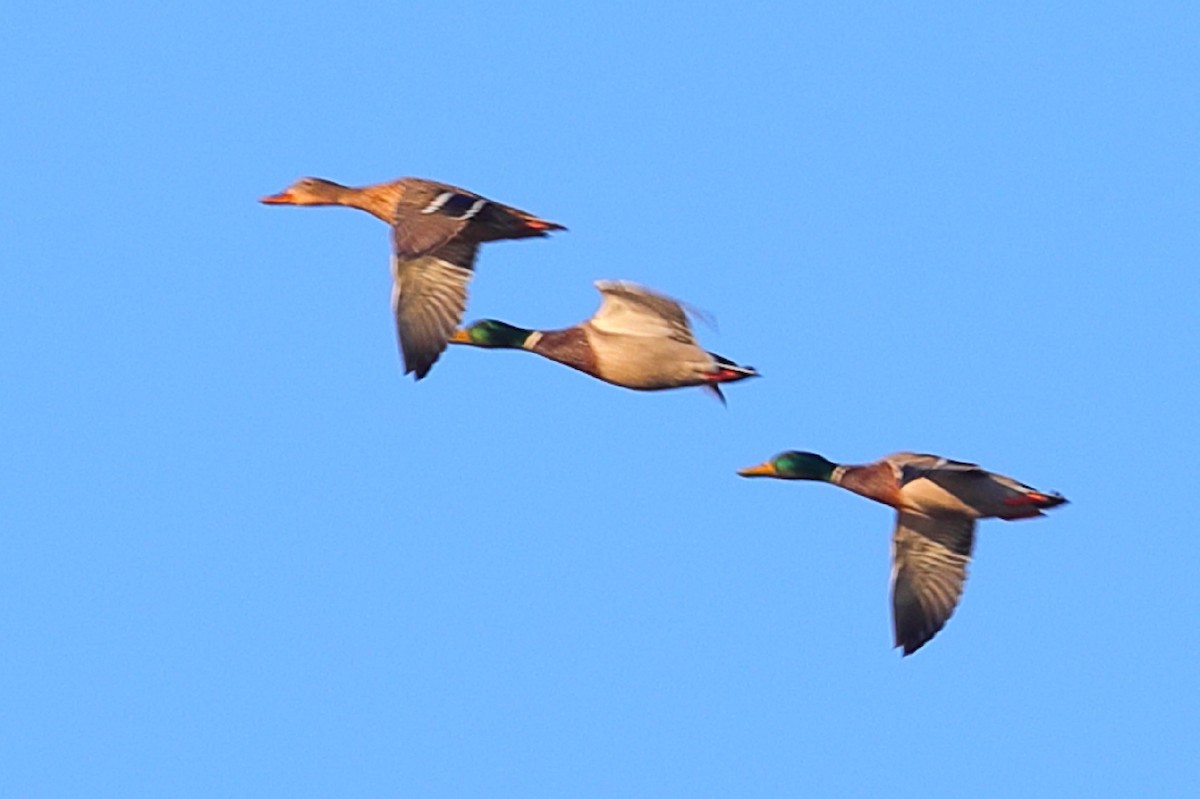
(243, 556)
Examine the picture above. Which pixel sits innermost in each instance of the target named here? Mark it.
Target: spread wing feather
(628, 309)
(929, 569)
(429, 296)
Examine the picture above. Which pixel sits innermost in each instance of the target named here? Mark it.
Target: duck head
(492, 334)
(307, 191)
(793, 465)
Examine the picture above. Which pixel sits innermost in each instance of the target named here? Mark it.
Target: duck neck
(378, 200)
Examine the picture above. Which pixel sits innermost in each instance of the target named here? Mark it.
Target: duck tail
(544, 226)
(730, 371)
(513, 224)
(1036, 501)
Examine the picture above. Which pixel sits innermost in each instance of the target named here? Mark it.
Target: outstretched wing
(628, 309)
(929, 568)
(429, 296)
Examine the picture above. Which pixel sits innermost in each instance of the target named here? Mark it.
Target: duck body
(436, 231)
(650, 365)
(638, 339)
(432, 212)
(937, 487)
(654, 364)
(938, 502)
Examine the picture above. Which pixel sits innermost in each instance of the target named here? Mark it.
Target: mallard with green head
(937, 502)
(436, 232)
(638, 339)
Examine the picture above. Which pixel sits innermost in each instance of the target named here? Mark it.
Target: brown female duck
(937, 502)
(436, 231)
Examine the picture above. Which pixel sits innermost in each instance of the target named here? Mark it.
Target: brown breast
(570, 347)
(875, 481)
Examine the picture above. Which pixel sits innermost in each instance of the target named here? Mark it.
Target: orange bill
(282, 198)
(761, 470)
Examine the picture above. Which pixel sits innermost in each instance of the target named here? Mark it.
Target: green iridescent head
(492, 334)
(793, 465)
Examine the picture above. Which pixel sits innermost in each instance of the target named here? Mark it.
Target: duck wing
(929, 568)
(912, 465)
(628, 309)
(429, 296)
(429, 214)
